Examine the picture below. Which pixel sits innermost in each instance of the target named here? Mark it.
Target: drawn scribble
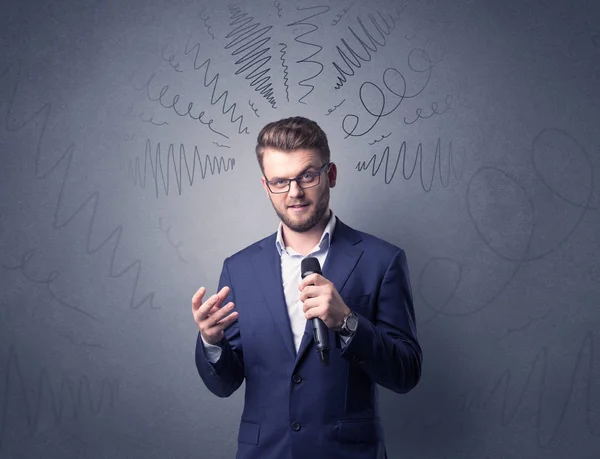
(434, 111)
(285, 70)
(530, 321)
(307, 59)
(249, 39)
(221, 146)
(389, 171)
(331, 110)
(339, 16)
(90, 205)
(523, 247)
(370, 103)
(214, 82)
(380, 139)
(213, 165)
(175, 245)
(277, 4)
(537, 383)
(173, 105)
(67, 399)
(352, 60)
(23, 267)
(151, 120)
(207, 25)
(255, 110)
(170, 60)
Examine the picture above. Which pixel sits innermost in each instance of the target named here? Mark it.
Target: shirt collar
(324, 242)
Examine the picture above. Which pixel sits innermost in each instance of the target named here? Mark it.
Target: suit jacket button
(295, 426)
(297, 379)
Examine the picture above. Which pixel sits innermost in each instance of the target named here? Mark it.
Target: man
(257, 328)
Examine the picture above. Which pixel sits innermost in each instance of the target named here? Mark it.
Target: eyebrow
(306, 169)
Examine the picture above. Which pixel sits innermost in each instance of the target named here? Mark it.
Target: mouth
(298, 207)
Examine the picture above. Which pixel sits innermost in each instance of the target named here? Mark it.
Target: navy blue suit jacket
(296, 407)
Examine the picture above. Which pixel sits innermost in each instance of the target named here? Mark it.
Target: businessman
(257, 328)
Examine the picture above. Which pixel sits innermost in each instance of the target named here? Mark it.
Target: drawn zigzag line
(372, 48)
(314, 27)
(437, 162)
(215, 81)
(285, 70)
(71, 397)
(92, 201)
(246, 37)
(540, 366)
(214, 164)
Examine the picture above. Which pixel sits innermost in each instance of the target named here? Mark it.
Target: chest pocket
(360, 304)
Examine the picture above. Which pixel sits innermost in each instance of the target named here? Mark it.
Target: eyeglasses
(306, 180)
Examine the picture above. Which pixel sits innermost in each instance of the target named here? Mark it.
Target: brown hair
(291, 134)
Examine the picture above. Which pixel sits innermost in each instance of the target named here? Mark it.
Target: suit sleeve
(387, 348)
(226, 375)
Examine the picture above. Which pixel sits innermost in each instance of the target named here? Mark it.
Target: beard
(308, 222)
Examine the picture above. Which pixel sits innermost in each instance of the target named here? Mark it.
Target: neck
(304, 242)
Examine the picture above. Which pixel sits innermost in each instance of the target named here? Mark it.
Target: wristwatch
(349, 325)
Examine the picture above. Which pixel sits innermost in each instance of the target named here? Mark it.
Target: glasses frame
(297, 180)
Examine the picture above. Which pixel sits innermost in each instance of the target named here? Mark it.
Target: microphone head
(310, 265)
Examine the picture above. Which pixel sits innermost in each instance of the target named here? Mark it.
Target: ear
(263, 182)
(332, 175)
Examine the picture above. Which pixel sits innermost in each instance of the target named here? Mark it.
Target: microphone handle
(320, 332)
(321, 339)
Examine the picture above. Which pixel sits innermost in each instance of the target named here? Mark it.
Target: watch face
(352, 322)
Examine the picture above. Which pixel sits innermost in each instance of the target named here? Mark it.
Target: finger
(313, 279)
(206, 307)
(310, 303)
(197, 298)
(220, 313)
(228, 320)
(310, 291)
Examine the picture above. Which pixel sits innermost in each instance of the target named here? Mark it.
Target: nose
(295, 190)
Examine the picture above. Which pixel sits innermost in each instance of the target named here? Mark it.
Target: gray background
(482, 164)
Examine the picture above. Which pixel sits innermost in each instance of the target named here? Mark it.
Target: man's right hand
(212, 319)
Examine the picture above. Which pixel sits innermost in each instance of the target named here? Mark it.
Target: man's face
(299, 209)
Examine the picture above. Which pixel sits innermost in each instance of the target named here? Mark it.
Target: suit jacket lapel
(268, 269)
(344, 253)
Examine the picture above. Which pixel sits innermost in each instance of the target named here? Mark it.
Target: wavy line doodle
(285, 70)
(331, 110)
(72, 397)
(380, 139)
(207, 25)
(52, 277)
(540, 365)
(151, 121)
(91, 204)
(176, 245)
(249, 39)
(214, 165)
(437, 163)
(306, 60)
(277, 4)
(221, 146)
(164, 90)
(354, 60)
(214, 82)
(254, 110)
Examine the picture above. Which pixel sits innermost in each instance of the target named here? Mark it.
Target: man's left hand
(321, 299)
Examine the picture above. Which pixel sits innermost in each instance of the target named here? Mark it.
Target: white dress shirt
(291, 276)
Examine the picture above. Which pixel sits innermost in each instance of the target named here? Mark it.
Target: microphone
(310, 265)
